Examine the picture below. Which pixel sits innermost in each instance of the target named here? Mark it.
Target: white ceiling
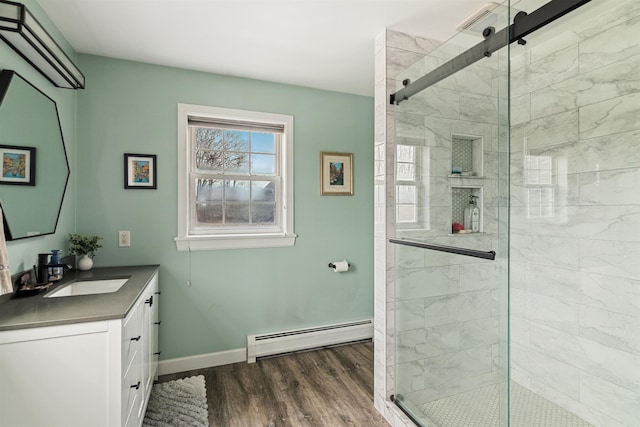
(325, 44)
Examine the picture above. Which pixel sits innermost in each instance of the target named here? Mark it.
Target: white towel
(5, 275)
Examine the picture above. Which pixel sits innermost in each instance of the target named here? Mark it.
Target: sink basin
(88, 287)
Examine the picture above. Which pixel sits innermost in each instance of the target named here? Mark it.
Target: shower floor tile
(479, 408)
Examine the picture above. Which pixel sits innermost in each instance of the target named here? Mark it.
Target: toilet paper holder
(332, 265)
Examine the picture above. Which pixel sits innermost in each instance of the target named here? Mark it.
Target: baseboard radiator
(264, 345)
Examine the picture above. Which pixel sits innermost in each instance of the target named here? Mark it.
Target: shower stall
(507, 215)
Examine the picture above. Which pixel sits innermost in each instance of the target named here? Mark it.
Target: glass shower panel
(575, 219)
(451, 189)
(450, 366)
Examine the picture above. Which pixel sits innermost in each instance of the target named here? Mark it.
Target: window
(406, 185)
(539, 184)
(235, 178)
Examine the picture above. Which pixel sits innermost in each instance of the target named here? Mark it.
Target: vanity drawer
(132, 389)
(132, 341)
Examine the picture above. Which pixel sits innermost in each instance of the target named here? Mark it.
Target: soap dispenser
(475, 214)
(472, 215)
(43, 268)
(55, 266)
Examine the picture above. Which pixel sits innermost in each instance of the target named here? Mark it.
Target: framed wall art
(18, 165)
(336, 174)
(140, 171)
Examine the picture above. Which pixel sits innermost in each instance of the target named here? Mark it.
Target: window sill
(250, 241)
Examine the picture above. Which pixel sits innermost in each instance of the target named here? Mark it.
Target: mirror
(35, 169)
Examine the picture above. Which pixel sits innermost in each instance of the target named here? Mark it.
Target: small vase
(85, 263)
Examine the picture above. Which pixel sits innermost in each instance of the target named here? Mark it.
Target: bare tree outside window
(235, 179)
(221, 150)
(233, 196)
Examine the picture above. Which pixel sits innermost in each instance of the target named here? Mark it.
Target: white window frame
(419, 181)
(534, 182)
(414, 183)
(257, 237)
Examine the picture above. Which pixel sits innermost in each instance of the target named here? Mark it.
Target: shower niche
(466, 210)
(466, 156)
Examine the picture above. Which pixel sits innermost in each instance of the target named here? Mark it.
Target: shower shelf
(460, 196)
(466, 156)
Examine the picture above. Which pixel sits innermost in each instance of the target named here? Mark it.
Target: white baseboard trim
(201, 361)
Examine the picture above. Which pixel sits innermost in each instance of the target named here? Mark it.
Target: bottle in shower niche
(472, 215)
(475, 217)
(55, 266)
(467, 217)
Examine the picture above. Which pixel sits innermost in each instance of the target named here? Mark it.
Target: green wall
(131, 107)
(23, 253)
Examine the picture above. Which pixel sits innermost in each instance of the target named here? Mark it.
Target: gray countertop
(36, 311)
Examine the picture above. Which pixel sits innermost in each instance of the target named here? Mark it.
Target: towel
(5, 275)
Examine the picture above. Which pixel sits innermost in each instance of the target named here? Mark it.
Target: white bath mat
(178, 403)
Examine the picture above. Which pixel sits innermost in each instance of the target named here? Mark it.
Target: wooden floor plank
(331, 387)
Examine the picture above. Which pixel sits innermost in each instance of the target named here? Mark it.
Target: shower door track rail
(523, 25)
(491, 255)
(406, 411)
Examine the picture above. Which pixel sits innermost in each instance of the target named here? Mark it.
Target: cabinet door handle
(137, 386)
(158, 322)
(149, 301)
(158, 293)
(136, 338)
(157, 353)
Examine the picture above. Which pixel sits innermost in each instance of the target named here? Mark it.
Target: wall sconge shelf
(20, 30)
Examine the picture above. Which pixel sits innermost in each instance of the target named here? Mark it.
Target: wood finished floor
(331, 387)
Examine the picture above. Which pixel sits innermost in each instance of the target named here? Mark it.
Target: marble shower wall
(575, 216)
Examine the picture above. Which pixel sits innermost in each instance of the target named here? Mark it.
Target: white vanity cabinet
(139, 344)
(82, 374)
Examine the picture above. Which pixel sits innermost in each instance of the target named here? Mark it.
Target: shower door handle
(491, 255)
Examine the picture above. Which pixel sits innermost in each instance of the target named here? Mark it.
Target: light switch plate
(124, 239)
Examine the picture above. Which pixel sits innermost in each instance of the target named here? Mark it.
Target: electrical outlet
(124, 239)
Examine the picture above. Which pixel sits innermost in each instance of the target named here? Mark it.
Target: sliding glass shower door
(575, 218)
(450, 241)
(532, 153)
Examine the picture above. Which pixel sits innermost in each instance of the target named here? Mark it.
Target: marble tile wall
(575, 276)
(393, 53)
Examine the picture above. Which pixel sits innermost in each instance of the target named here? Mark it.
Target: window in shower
(406, 185)
(539, 185)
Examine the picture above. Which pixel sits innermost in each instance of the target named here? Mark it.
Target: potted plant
(85, 247)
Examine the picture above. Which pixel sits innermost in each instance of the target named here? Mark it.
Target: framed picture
(18, 165)
(336, 174)
(140, 171)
